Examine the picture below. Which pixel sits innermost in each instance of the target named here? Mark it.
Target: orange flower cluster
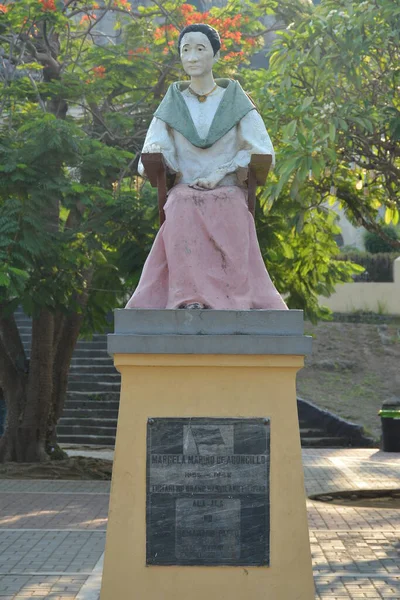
(228, 28)
(86, 19)
(99, 71)
(122, 4)
(48, 5)
(250, 41)
(187, 9)
(132, 53)
(3, 8)
(234, 55)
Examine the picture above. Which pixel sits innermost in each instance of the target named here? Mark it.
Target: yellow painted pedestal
(172, 384)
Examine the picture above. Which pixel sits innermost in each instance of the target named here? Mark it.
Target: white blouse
(230, 155)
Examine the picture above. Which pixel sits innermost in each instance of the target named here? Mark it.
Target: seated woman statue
(206, 253)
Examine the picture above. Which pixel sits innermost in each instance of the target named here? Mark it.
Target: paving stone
(55, 529)
(44, 551)
(49, 587)
(53, 510)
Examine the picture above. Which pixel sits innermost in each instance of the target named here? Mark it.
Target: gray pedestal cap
(149, 331)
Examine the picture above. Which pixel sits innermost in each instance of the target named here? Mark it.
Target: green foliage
(74, 110)
(330, 98)
(374, 243)
(299, 248)
(75, 228)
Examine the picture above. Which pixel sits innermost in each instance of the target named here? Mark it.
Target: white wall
(368, 296)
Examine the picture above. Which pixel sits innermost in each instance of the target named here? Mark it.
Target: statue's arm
(253, 136)
(252, 139)
(160, 140)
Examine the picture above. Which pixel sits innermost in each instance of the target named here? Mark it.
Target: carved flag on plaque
(208, 491)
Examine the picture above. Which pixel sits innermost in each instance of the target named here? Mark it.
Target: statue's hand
(152, 149)
(207, 183)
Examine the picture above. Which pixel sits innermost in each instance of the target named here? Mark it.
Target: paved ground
(52, 533)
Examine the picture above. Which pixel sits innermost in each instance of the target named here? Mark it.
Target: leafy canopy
(331, 96)
(76, 98)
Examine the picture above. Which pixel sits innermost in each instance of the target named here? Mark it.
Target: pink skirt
(206, 251)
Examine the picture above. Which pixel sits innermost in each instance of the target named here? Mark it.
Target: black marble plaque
(207, 491)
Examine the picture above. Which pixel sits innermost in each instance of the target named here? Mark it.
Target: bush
(375, 244)
(378, 267)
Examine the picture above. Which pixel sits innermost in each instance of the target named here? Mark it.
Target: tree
(331, 99)
(75, 104)
(73, 233)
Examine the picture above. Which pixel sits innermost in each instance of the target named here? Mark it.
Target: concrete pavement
(52, 533)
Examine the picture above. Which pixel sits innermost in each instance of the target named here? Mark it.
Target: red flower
(99, 71)
(131, 53)
(251, 41)
(187, 9)
(48, 4)
(3, 8)
(122, 3)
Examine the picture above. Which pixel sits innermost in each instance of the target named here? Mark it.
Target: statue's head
(199, 47)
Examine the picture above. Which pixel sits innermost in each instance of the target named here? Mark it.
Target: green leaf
(306, 103)
(290, 129)
(389, 215)
(4, 279)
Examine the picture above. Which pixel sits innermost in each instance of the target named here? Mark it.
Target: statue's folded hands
(208, 183)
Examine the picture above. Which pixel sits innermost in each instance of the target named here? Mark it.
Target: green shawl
(173, 110)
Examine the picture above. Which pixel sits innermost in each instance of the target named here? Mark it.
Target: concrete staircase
(313, 436)
(91, 409)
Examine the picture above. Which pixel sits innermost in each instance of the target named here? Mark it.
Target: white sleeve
(253, 136)
(159, 136)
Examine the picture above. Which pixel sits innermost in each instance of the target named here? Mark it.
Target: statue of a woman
(206, 254)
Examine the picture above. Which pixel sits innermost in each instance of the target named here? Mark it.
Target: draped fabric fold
(206, 251)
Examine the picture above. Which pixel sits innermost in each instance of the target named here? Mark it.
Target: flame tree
(79, 82)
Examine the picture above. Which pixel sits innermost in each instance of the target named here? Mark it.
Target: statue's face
(197, 54)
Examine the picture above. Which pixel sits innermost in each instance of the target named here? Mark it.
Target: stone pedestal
(186, 364)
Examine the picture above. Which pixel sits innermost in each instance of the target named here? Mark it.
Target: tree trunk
(28, 398)
(65, 342)
(65, 338)
(14, 387)
(13, 381)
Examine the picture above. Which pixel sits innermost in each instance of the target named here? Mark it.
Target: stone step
(90, 421)
(93, 369)
(94, 407)
(94, 387)
(72, 430)
(90, 354)
(89, 363)
(94, 345)
(103, 359)
(85, 378)
(90, 412)
(325, 441)
(86, 440)
(99, 397)
(311, 432)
